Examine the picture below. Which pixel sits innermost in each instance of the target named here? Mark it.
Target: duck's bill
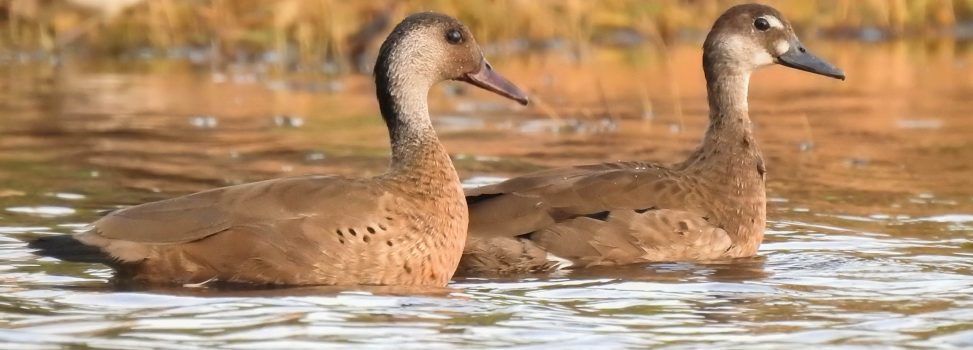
(799, 58)
(488, 79)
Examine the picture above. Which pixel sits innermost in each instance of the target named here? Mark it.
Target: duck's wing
(611, 213)
(267, 206)
(529, 203)
(544, 178)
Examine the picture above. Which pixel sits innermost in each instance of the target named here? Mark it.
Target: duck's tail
(68, 248)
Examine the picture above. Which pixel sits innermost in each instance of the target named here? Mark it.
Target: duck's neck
(416, 150)
(729, 163)
(729, 145)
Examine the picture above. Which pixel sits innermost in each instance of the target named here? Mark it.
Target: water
(870, 215)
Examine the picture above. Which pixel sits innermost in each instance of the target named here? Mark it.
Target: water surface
(870, 214)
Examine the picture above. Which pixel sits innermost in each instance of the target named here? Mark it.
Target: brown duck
(406, 227)
(711, 206)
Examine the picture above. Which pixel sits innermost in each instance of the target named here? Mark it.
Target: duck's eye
(454, 37)
(761, 24)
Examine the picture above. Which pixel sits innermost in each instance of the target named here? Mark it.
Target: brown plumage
(406, 227)
(710, 206)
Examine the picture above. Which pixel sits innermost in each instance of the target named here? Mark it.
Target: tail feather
(68, 248)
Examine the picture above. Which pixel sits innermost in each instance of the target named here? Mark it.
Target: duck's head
(427, 47)
(750, 36)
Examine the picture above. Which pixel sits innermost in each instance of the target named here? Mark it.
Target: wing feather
(604, 214)
(307, 207)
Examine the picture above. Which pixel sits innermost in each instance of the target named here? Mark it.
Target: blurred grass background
(344, 32)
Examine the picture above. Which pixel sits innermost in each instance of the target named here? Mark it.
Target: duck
(405, 227)
(709, 207)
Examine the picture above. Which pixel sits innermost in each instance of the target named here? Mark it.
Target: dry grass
(307, 30)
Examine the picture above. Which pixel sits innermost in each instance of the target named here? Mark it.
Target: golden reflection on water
(897, 125)
(870, 203)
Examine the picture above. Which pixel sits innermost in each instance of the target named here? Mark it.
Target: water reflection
(869, 240)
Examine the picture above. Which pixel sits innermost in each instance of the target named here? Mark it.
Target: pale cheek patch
(737, 46)
(762, 58)
(781, 47)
